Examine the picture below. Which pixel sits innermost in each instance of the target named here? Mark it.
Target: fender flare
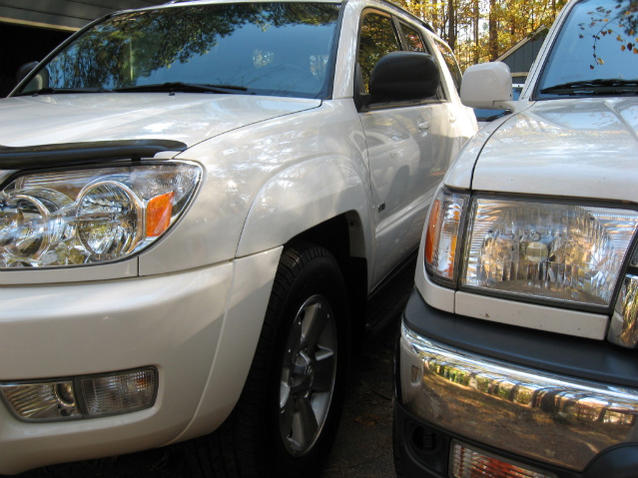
(302, 196)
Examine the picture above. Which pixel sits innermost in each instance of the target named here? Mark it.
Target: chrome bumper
(554, 419)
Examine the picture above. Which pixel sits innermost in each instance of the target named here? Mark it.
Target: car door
(403, 142)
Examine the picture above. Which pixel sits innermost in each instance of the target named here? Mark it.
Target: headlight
(538, 250)
(442, 237)
(90, 216)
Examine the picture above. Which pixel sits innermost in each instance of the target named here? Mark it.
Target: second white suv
(518, 349)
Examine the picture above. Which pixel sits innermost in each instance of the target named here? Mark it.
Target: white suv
(518, 352)
(197, 200)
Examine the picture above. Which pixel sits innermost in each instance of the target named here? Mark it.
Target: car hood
(186, 117)
(585, 147)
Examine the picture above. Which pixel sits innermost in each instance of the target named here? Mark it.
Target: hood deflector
(46, 155)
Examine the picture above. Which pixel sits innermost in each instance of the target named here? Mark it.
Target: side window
(413, 41)
(451, 63)
(376, 39)
(412, 38)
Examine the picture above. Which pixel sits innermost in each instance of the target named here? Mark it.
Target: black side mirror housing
(24, 70)
(403, 76)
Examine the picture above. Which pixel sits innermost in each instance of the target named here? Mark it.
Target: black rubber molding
(47, 155)
(588, 359)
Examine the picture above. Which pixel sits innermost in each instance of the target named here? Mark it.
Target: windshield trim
(328, 87)
(324, 93)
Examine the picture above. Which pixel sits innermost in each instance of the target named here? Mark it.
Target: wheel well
(343, 237)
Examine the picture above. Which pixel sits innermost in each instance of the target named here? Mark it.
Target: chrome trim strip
(554, 419)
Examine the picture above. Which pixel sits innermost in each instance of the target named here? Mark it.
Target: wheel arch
(342, 235)
(324, 201)
(304, 196)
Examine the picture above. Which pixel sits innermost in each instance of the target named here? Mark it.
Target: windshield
(281, 49)
(596, 52)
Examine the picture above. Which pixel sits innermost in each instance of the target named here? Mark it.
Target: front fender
(302, 196)
(311, 164)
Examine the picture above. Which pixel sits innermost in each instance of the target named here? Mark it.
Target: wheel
(286, 419)
(308, 375)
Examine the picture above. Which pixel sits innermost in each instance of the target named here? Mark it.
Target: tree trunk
(492, 32)
(476, 13)
(451, 24)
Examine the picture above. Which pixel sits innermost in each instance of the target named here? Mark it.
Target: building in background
(29, 29)
(521, 56)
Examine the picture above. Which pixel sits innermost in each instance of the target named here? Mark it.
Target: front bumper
(196, 327)
(563, 423)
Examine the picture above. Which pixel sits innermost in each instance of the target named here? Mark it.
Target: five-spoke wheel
(308, 375)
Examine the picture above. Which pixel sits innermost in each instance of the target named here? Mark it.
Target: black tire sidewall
(317, 273)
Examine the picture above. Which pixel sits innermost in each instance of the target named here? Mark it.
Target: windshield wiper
(185, 87)
(596, 87)
(50, 91)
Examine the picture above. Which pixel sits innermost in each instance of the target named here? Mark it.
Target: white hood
(186, 117)
(585, 147)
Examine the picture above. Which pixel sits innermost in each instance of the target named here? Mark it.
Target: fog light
(467, 462)
(82, 397)
(42, 401)
(125, 392)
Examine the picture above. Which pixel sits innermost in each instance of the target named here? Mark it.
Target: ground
(364, 442)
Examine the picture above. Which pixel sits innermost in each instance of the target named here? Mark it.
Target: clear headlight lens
(90, 216)
(110, 219)
(565, 252)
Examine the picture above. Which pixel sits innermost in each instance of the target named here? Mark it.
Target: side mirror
(488, 85)
(404, 75)
(24, 70)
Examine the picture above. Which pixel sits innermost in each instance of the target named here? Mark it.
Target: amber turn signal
(158, 214)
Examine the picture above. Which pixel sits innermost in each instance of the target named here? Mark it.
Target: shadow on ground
(364, 442)
(363, 448)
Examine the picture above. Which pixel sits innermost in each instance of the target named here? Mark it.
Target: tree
(482, 30)
(493, 33)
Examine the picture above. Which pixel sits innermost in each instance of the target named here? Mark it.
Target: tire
(286, 418)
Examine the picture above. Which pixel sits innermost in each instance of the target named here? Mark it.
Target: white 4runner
(518, 352)
(196, 201)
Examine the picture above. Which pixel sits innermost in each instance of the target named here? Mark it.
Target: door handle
(423, 125)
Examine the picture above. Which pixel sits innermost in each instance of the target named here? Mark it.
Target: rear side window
(413, 40)
(451, 63)
(376, 39)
